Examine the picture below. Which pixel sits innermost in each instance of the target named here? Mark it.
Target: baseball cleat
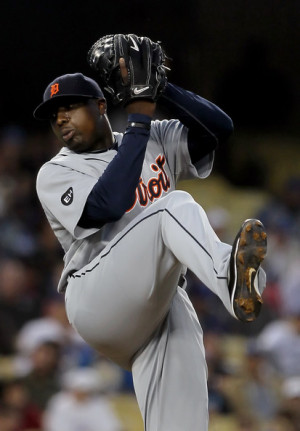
(248, 251)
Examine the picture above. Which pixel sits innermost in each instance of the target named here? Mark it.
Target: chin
(77, 147)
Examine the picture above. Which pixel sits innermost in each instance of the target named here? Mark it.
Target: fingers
(124, 71)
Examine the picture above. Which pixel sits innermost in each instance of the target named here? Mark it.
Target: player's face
(81, 126)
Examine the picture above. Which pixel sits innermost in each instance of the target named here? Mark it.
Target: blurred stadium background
(242, 55)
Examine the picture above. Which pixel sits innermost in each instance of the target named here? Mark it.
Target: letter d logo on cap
(54, 89)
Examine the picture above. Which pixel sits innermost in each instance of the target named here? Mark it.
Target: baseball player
(129, 236)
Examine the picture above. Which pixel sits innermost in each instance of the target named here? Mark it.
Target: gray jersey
(64, 183)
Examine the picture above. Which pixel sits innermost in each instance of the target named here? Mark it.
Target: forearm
(208, 125)
(114, 191)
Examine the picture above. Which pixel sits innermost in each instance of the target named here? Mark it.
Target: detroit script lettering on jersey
(154, 188)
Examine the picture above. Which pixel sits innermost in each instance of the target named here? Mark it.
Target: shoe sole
(248, 251)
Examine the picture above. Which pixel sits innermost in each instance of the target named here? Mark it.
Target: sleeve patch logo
(67, 197)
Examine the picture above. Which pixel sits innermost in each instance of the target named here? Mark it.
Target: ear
(102, 106)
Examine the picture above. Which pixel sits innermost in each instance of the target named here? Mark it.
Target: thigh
(118, 300)
(170, 374)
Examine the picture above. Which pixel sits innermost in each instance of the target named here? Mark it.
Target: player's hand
(145, 107)
(124, 71)
(145, 77)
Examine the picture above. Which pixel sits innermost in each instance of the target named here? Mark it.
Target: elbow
(115, 216)
(121, 204)
(226, 131)
(117, 209)
(230, 126)
(115, 213)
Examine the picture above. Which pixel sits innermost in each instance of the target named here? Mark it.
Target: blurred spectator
(278, 423)
(17, 196)
(259, 387)
(281, 217)
(10, 419)
(280, 342)
(247, 422)
(283, 210)
(218, 373)
(290, 408)
(52, 326)
(18, 301)
(15, 396)
(43, 381)
(80, 405)
(257, 393)
(12, 141)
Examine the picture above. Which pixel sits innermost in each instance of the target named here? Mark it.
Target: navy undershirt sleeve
(114, 191)
(208, 125)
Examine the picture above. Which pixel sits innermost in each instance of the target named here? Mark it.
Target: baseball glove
(145, 63)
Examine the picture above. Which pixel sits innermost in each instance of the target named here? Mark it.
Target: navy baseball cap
(71, 86)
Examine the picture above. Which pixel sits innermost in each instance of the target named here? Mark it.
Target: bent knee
(180, 196)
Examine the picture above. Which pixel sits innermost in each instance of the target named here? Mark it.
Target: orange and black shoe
(248, 251)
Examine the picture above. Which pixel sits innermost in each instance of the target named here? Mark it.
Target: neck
(106, 139)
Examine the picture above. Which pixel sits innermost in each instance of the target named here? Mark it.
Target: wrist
(139, 118)
(144, 107)
(140, 121)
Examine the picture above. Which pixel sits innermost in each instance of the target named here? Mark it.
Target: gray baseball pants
(126, 303)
